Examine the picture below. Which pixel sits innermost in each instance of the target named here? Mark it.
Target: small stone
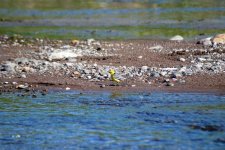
(155, 74)
(144, 68)
(176, 75)
(21, 86)
(27, 69)
(76, 74)
(169, 84)
(140, 57)
(89, 41)
(89, 77)
(166, 80)
(201, 59)
(177, 38)
(198, 65)
(156, 48)
(67, 88)
(14, 83)
(174, 79)
(182, 59)
(34, 96)
(102, 86)
(182, 81)
(133, 85)
(23, 76)
(98, 48)
(65, 47)
(6, 82)
(163, 73)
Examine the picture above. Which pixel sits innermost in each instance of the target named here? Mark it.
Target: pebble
(169, 84)
(23, 76)
(21, 86)
(144, 68)
(163, 73)
(102, 86)
(140, 57)
(201, 59)
(182, 59)
(89, 77)
(14, 83)
(156, 48)
(155, 74)
(67, 88)
(34, 96)
(89, 41)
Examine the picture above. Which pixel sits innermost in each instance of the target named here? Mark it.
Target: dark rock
(98, 48)
(34, 96)
(220, 140)
(209, 128)
(102, 86)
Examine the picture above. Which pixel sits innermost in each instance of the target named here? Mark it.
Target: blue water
(105, 120)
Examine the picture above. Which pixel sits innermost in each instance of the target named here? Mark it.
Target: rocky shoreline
(176, 65)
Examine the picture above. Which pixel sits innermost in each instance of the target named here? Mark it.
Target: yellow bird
(112, 73)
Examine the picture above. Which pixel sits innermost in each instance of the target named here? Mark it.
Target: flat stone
(14, 83)
(156, 48)
(176, 75)
(169, 84)
(60, 55)
(140, 57)
(201, 59)
(102, 86)
(67, 88)
(65, 47)
(182, 60)
(177, 38)
(27, 69)
(89, 77)
(21, 86)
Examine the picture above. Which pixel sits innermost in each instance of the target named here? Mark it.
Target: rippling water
(112, 19)
(105, 120)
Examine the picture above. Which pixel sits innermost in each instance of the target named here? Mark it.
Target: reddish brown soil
(128, 53)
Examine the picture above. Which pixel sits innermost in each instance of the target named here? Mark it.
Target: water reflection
(127, 19)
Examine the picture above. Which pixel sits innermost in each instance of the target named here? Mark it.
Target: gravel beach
(140, 65)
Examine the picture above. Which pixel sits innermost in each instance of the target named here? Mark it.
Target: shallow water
(112, 19)
(105, 120)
